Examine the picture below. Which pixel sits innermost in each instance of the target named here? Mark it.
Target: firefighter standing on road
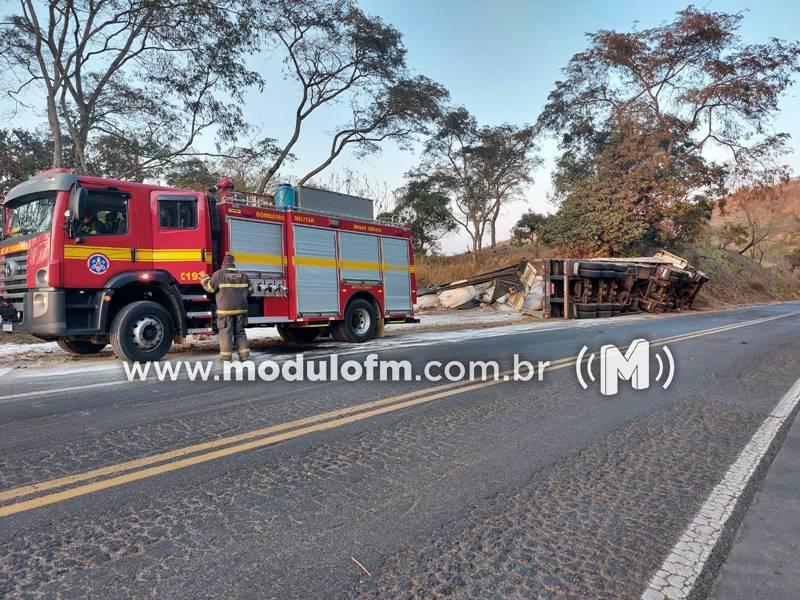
(232, 287)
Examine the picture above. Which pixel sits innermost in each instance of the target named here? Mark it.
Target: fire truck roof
(58, 180)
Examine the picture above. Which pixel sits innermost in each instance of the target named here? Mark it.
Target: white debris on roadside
(506, 290)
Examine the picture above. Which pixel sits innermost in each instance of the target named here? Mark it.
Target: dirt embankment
(735, 279)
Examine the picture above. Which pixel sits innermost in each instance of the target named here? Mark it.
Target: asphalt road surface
(280, 489)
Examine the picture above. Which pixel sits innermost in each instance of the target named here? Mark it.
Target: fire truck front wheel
(141, 331)
(79, 346)
(359, 323)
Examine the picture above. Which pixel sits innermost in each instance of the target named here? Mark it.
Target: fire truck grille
(14, 280)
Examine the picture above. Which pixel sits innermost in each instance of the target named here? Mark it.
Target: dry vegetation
(735, 279)
(438, 270)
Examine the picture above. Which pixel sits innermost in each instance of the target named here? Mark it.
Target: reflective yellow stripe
(142, 254)
(84, 252)
(260, 259)
(233, 285)
(173, 255)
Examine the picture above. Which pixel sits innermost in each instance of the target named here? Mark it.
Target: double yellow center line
(134, 470)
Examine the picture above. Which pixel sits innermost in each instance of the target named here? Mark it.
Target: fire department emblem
(98, 263)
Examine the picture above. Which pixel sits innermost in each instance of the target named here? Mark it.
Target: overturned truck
(578, 288)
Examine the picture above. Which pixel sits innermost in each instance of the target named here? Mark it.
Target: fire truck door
(396, 276)
(181, 239)
(317, 277)
(106, 237)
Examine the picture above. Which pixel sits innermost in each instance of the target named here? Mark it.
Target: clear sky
(499, 59)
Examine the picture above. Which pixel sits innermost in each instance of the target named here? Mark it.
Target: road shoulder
(763, 561)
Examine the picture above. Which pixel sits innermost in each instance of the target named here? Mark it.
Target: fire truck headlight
(41, 278)
(39, 304)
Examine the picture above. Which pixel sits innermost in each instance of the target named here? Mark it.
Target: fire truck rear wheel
(79, 346)
(142, 331)
(359, 323)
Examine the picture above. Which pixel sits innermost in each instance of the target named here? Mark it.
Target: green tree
(480, 169)
(420, 206)
(528, 229)
(192, 174)
(160, 73)
(22, 153)
(639, 113)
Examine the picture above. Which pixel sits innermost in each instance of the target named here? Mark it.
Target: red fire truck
(89, 261)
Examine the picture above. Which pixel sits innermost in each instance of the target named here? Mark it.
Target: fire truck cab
(89, 261)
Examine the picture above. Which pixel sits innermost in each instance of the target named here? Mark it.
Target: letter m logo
(633, 366)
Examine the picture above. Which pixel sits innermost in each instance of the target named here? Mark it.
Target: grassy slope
(786, 213)
(735, 279)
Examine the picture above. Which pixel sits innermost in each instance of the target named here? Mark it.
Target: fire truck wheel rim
(148, 333)
(360, 321)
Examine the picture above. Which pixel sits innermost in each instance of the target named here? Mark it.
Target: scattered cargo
(577, 288)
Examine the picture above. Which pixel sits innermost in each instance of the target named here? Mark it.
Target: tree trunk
(55, 133)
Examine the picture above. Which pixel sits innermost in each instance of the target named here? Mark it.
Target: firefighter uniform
(231, 288)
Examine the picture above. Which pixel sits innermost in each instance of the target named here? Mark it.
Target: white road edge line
(687, 560)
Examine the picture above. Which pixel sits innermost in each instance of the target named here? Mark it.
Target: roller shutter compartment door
(257, 246)
(317, 280)
(358, 254)
(396, 276)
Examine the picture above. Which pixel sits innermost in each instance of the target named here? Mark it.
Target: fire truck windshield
(30, 214)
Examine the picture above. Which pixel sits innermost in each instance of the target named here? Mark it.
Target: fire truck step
(200, 331)
(194, 298)
(200, 314)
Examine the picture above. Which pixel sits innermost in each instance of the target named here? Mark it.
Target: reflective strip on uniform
(228, 313)
(233, 285)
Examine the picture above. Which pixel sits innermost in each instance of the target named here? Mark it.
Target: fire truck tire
(298, 335)
(359, 323)
(141, 331)
(79, 346)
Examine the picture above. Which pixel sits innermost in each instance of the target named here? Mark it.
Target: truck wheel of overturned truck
(142, 331)
(79, 346)
(359, 323)
(298, 335)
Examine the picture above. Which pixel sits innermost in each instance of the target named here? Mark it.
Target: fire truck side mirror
(78, 200)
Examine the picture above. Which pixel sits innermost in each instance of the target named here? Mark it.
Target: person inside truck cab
(89, 225)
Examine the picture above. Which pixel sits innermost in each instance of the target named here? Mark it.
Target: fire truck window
(106, 214)
(177, 214)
